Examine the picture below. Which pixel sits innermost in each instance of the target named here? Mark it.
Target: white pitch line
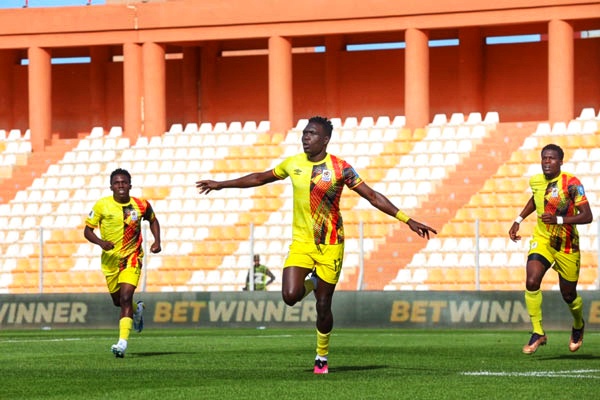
(576, 373)
(39, 340)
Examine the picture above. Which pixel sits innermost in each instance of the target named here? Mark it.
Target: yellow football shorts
(325, 259)
(114, 276)
(566, 264)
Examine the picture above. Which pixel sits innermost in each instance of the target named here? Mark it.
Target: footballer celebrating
(317, 247)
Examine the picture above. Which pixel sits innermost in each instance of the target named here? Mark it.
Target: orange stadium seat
(588, 276)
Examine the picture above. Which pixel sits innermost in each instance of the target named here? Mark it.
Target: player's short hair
(556, 148)
(120, 171)
(324, 122)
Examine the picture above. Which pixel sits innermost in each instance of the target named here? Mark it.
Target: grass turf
(277, 364)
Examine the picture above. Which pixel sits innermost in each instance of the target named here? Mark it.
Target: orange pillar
(334, 45)
(40, 97)
(132, 89)
(208, 77)
(470, 70)
(155, 104)
(280, 84)
(7, 63)
(189, 80)
(561, 71)
(100, 57)
(416, 79)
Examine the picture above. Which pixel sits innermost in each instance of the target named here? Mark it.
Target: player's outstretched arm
(382, 203)
(420, 228)
(246, 181)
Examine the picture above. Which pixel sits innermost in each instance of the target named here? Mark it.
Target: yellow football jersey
(121, 224)
(559, 196)
(317, 191)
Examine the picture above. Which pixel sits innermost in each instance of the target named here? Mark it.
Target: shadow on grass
(350, 368)
(571, 357)
(159, 353)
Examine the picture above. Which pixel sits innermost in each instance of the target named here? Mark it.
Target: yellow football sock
(125, 326)
(322, 343)
(533, 301)
(576, 308)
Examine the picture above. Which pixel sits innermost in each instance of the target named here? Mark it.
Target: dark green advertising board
(420, 309)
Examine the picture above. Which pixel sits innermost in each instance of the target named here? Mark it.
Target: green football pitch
(277, 364)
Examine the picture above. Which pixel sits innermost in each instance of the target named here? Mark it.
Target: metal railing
(43, 259)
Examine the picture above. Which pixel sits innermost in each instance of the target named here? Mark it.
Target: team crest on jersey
(326, 175)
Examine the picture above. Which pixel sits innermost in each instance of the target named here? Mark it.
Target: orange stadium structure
(442, 106)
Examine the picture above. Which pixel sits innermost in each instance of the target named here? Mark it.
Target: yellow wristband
(402, 217)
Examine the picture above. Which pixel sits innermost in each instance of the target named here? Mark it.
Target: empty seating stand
(208, 240)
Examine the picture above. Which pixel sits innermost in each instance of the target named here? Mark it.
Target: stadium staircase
(22, 175)
(448, 261)
(454, 193)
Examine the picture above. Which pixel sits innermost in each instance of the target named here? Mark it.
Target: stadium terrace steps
(37, 163)
(495, 205)
(481, 163)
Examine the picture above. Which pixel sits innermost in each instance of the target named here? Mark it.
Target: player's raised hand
(205, 186)
(421, 229)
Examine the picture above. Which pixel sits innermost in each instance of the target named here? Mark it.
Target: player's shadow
(571, 357)
(158, 353)
(350, 368)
